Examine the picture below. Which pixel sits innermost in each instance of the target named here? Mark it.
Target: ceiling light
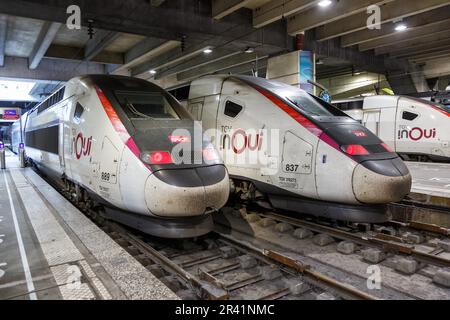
(207, 51)
(249, 50)
(12, 90)
(401, 27)
(325, 3)
(152, 71)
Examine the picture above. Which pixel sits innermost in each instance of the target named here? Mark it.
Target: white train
(109, 139)
(417, 129)
(301, 153)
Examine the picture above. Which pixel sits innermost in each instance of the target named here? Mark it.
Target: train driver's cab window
(410, 116)
(79, 110)
(146, 105)
(232, 109)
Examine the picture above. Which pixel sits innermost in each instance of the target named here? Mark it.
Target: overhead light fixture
(207, 51)
(12, 90)
(249, 50)
(152, 71)
(325, 3)
(401, 27)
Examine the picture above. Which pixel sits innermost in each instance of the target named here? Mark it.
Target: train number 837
(292, 167)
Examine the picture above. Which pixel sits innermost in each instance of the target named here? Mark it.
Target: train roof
(380, 101)
(116, 81)
(212, 85)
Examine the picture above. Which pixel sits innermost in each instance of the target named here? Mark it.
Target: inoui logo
(74, 20)
(374, 19)
(82, 146)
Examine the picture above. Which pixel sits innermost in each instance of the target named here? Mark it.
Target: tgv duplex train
(302, 153)
(414, 128)
(110, 139)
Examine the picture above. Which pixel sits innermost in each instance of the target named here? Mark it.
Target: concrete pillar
(294, 68)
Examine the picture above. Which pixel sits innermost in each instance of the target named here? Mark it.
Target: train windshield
(146, 105)
(314, 106)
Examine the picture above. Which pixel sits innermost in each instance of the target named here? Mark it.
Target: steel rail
(212, 292)
(302, 268)
(364, 240)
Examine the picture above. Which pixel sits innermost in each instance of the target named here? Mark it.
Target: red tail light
(179, 139)
(355, 150)
(160, 157)
(388, 149)
(157, 157)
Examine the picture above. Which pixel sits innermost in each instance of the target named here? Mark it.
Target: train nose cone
(381, 181)
(187, 192)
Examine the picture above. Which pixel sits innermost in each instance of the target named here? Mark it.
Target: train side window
(78, 112)
(232, 109)
(409, 115)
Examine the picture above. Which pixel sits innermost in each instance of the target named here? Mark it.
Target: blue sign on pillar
(306, 67)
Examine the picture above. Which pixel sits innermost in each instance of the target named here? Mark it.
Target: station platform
(50, 250)
(430, 178)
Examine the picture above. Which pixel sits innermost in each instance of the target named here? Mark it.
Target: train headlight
(156, 157)
(355, 150)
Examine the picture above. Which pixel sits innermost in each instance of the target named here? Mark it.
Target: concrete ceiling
(132, 37)
(137, 36)
(21, 36)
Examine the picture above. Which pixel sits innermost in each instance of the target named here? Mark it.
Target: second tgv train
(417, 129)
(109, 139)
(301, 153)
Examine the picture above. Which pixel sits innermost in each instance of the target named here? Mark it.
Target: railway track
(406, 252)
(271, 264)
(386, 242)
(220, 267)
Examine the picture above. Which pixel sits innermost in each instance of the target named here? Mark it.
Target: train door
(67, 137)
(387, 126)
(409, 138)
(371, 120)
(297, 162)
(62, 160)
(108, 170)
(64, 133)
(232, 131)
(195, 107)
(243, 138)
(204, 109)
